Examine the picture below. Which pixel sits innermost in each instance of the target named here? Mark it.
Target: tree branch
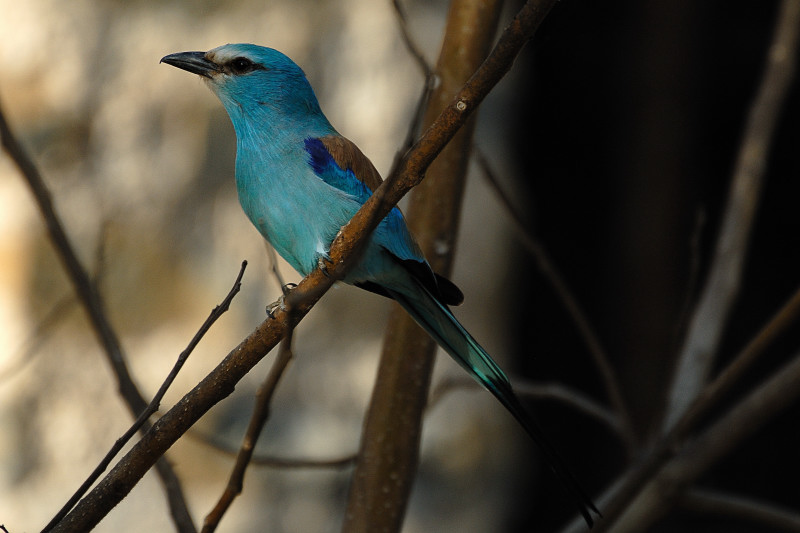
(257, 421)
(632, 483)
(724, 280)
(621, 421)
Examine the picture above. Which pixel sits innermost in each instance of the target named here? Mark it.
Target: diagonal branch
(257, 421)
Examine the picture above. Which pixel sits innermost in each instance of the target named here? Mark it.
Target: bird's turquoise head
(256, 85)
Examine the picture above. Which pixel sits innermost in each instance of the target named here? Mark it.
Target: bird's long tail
(440, 324)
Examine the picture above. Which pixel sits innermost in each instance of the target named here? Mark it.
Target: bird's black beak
(194, 62)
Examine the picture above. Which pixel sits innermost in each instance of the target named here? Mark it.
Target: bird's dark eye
(241, 65)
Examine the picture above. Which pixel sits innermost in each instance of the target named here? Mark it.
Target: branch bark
(387, 462)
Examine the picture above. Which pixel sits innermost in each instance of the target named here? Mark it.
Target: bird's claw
(323, 267)
(280, 303)
(288, 287)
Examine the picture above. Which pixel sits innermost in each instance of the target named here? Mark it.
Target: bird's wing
(339, 163)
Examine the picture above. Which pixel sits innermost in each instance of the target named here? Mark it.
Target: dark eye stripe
(242, 65)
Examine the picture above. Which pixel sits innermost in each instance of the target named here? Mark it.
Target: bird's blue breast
(298, 213)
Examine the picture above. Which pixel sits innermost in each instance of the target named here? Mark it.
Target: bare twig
(547, 267)
(257, 421)
(93, 305)
(427, 89)
(411, 45)
(722, 287)
(761, 514)
(539, 391)
(271, 461)
(575, 399)
(273, 265)
(217, 312)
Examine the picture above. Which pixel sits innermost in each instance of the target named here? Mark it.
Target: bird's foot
(285, 289)
(280, 303)
(323, 266)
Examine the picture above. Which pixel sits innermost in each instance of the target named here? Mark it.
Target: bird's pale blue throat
(299, 182)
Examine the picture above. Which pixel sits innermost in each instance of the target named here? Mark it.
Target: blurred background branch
(701, 344)
(93, 306)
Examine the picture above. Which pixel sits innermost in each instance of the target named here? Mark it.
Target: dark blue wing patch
(331, 173)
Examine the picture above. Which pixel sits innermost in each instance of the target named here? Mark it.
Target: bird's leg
(280, 303)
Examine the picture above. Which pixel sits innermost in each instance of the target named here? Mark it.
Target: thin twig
(576, 400)
(551, 273)
(282, 462)
(273, 265)
(693, 280)
(761, 514)
(427, 90)
(557, 392)
(272, 461)
(217, 312)
(93, 305)
(724, 280)
(411, 45)
(258, 419)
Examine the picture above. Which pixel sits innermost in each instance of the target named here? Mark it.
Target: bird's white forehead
(225, 53)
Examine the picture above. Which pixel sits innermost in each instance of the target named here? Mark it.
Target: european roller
(299, 182)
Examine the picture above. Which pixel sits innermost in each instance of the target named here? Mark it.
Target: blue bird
(299, 182)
